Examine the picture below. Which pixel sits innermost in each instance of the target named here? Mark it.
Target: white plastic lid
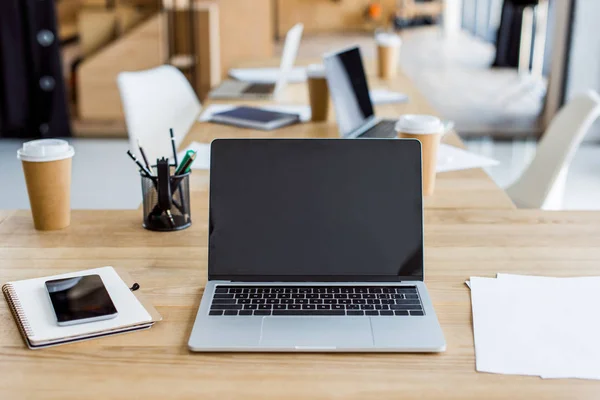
(45, 150)
(387, 39)
(315, 71)
(419, 124)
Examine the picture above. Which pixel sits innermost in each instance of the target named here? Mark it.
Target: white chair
(155, 100)
(543, 182)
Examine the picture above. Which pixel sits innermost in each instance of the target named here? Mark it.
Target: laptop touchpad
(316, 332)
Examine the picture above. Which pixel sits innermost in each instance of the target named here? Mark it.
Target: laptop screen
(315, 209)
(349, 89)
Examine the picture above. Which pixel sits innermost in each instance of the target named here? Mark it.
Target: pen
(185, 166)
(174, 147)
(144, 169)
(144, 156)
(180, 170)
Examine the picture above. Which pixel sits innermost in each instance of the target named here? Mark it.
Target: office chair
(155, 100)
(542, 184)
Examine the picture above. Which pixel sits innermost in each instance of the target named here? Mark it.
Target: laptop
(349, 92)
(232, 89)
(316, 245)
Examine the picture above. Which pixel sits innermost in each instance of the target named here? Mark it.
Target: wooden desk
(171, 269)
(471, 228)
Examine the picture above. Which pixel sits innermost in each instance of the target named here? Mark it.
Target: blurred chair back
(543, 182)
(155, 100)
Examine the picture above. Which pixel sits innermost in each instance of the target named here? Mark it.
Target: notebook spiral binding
(17, 310)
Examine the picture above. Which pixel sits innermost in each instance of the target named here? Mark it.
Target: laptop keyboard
(260, 88)
(319, 300)
(383, 129)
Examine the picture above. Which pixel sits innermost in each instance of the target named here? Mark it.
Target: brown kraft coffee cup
(388, 52)
(428, 130)
(47, 168)
(318, 92)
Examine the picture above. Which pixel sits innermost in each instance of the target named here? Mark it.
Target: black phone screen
(79, 298)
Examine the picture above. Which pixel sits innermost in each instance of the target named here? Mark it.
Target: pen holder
(158, 217)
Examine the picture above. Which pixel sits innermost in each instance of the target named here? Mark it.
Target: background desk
(471, 228)
(454, 190)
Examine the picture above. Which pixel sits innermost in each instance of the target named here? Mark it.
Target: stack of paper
(528, 325)
(267, 75)
(384, 96)
(450, 158)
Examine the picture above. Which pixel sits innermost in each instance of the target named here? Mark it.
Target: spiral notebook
(34, 315)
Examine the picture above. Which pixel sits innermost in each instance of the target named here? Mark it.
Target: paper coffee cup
(428, 130)
(388, 52)
(318, 92)
(47, 168)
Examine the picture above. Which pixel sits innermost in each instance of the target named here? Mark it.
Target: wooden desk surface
(471, 228)
(171, 269)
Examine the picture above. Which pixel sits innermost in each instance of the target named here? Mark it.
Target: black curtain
(509, 33)
(32, 91)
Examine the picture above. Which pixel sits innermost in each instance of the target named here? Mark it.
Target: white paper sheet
(267, 75)
(202, 150)
(575, 334)
(384, 96)
(452, 158)
(542, 326)
(302, 110)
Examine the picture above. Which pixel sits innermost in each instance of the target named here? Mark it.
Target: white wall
(584, 62)
(452, 17)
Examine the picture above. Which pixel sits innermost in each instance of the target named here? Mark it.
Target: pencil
(144, 169)
(144, 156)
(174, 147)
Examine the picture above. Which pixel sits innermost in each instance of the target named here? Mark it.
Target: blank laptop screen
(334, 209)
(349, 89)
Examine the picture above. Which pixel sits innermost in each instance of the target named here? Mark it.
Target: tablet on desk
(256, 118)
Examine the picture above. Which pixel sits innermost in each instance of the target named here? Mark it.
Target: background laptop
(315, 245)
(350, 95)
(229, 89)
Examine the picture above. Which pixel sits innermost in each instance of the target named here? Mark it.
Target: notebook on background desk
(257, 118)
(34, 315)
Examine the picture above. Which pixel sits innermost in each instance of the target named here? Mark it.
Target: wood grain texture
(245, 31)
(171, 269)
(208, 48)
(141, 48)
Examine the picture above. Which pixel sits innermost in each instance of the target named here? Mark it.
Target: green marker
(186, 163)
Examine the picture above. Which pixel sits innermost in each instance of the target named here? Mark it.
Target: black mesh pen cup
(166, 202)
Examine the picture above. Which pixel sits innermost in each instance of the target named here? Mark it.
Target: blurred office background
(499, 68)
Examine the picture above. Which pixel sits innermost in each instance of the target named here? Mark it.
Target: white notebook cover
(37, 309)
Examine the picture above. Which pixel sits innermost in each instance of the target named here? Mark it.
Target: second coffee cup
(47, 168)
(428, 130)
(388, 53)
(318, 92)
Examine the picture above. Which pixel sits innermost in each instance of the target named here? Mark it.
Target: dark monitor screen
(349, 89)
(337, 209)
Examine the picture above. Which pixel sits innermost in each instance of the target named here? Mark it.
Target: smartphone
(80, 300)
